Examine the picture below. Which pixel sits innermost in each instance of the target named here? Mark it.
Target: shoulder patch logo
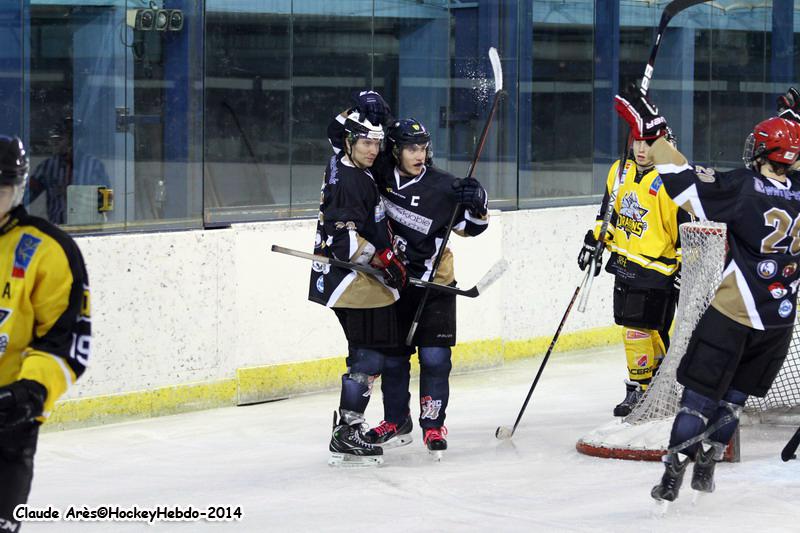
(785, 309)
(655, 186)
(23, 255)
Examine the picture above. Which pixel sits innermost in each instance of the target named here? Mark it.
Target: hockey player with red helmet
(742, 339)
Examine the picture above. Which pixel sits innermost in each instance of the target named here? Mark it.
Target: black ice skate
(670, 485)
(633, 393)
(348, 448)
(435, 441)
(390, 435)
(704, 463)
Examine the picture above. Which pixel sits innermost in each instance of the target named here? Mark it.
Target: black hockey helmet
(13, 161)
(409, 131)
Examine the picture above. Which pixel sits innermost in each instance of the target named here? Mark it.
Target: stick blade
(493, 275)
(497, 69)
(504, 433)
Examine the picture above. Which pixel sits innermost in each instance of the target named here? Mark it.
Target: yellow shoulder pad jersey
(643, 232)
(45, 318)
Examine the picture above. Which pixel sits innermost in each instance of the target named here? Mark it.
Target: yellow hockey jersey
(643, 232)
(45, 318)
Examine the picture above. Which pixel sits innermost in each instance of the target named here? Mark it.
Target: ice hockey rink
(271, 460)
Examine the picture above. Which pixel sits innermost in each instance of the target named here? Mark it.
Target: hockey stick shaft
(473, 292)
(788, 452)
(544, 361)
(498, 91)
(607, 208)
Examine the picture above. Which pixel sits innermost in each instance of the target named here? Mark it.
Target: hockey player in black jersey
(353, 227)
(419, 200)
(742, 339)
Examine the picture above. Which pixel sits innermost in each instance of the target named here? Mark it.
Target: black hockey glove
(20, 402)
(641, 115)
(588, 250)
(471, 194)
(371, 106)
(394, 272)
(789, 105)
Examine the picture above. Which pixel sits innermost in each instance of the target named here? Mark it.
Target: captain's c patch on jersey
(24, 253)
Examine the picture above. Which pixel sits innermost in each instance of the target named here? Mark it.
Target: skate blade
(345, 460)
(397, 441)
(436, 455)
(699, 495)
(662, 506)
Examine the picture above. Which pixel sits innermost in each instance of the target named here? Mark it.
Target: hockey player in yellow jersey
(642, 237)
(45, 330)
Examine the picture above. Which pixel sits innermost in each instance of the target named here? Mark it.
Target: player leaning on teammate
(742, 339)
(642, 236)
(45, 328)
(352, 226)
(420, 199)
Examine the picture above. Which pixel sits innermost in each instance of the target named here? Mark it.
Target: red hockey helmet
(777, 139)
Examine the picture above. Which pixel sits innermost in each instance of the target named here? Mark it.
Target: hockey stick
(788, 452)
(607, 207)
(505, 433)
(484, 283)
(497, 71)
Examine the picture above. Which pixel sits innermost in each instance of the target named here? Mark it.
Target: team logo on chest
(26, 247)
(631, 216)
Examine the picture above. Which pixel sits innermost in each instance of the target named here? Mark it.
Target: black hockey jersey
(352, 225)
(420, 210)
(760, 280)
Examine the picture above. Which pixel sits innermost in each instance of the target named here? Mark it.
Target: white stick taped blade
(497, 69)
(493, 275)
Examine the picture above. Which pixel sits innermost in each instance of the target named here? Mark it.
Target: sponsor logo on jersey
(631, 216)
(318, 240)
(316, 266)
(23, 254)
(771, 190)
(793, 285)
(3, 343)
(380, 210)
(408, 218)
(332, 179)
(767, 268)
(321, 284)
(655, 186)
(4, 314)
(429, 408)
(785, 309)
(777, 290)
(789, 270)
(633, 335)
(642, 361)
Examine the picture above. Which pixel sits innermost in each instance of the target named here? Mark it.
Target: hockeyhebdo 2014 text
(116, 513)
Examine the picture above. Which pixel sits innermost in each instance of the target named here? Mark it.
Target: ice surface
(271, 459)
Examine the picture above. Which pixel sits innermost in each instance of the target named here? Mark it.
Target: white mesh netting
(644, 434)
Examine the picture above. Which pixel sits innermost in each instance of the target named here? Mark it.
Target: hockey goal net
(644, 434)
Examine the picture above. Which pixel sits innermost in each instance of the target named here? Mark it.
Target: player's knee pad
(698, 404)
(731, 405)
(641, 354)
(642, 307)
(435, 360)
(396, 366)
(365, 361)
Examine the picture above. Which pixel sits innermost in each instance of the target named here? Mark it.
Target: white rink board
(193, 306)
